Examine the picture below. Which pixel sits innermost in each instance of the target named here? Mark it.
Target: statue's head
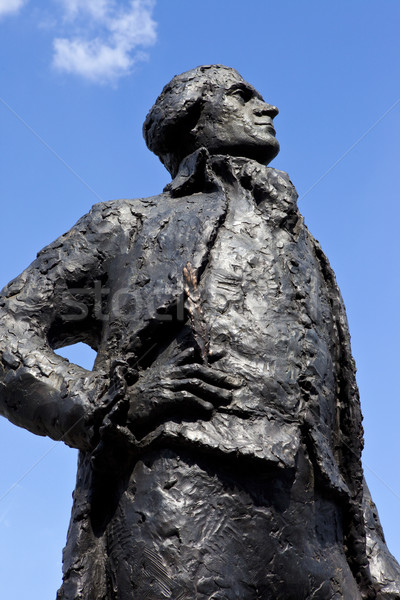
(214, 107)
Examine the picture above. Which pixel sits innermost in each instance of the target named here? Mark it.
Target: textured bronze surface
(220, 430)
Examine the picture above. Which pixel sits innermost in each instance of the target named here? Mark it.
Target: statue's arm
(40, 390)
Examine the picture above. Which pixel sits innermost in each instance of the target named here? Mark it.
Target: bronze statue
(220, 430)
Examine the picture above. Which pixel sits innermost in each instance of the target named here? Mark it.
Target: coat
(266, 295)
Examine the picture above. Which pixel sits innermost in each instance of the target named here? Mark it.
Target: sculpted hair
(170, 126)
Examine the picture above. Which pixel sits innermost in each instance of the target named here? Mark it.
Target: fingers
(190, 353)
(169, 402)
(193, 402)
(212, 376)
(184, 356)
(215, 355)
(203, 390)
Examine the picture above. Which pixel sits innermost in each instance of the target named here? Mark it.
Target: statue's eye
(243, 93)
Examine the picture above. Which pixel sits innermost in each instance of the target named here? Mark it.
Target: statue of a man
(220, 429)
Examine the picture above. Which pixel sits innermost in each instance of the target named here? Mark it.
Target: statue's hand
(177, 388)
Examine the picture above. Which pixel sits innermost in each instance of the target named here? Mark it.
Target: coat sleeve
(50, 305)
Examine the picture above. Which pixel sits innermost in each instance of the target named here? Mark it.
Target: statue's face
(236, 120)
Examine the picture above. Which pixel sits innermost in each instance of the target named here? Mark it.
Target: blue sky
(77, 78)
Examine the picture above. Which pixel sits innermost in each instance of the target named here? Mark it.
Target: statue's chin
(261, 153)
(273, 151)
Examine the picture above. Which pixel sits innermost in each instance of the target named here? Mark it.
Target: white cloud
(106, 37)
(96, 8)
(8, 7)
(92, 59)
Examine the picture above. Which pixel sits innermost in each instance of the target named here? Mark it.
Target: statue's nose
(263, 108)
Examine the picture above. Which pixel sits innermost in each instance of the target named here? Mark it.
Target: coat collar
(193, 175)
(203, 172)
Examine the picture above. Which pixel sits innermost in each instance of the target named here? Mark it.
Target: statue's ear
(185, 127)
(180, 137)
